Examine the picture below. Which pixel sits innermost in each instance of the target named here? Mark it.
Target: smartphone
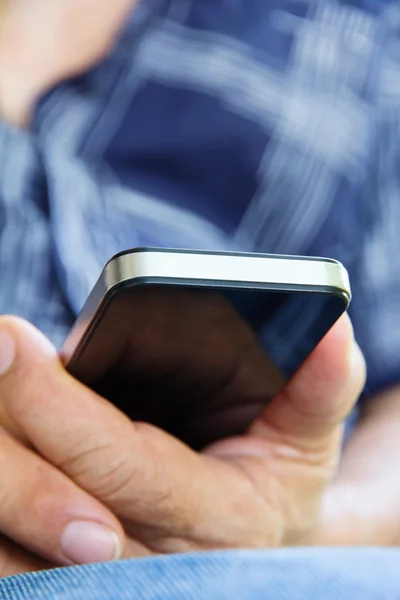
(198, 343)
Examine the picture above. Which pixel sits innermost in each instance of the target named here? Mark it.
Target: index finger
(123, 464)
(165, 493)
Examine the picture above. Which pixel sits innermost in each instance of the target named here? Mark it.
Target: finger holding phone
(94, 485)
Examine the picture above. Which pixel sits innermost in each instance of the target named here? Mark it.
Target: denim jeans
(290, 574)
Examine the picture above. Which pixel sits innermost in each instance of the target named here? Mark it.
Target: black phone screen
(201, 363)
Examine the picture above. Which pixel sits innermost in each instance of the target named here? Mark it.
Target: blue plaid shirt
(259, 125)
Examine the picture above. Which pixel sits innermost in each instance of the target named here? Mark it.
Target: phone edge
(128, 269)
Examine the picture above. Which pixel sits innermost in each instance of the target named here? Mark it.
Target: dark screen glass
(201, 363)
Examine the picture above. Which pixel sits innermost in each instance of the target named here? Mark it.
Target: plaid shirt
(258, 125)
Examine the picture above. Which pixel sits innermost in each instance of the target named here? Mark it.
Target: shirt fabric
(249, 125)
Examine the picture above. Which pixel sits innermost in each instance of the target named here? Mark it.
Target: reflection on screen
(201, 363)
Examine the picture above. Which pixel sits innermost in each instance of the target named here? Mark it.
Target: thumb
(322, 393)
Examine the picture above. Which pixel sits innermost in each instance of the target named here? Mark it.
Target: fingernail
(7, 350)
(84, 542)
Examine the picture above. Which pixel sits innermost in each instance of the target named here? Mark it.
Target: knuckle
(115, 483)
(106, 474)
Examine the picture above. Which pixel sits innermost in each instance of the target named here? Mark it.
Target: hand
(70, 456)
(45, 41)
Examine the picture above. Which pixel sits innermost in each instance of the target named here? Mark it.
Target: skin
(69, 455)
(362, 507)
(60, 39)
(281, 483)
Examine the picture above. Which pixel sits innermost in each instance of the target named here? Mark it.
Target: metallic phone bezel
(196, 268)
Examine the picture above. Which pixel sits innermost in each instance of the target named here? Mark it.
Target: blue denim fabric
(290, 574)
